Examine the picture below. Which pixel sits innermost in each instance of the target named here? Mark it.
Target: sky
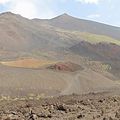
(104, 11)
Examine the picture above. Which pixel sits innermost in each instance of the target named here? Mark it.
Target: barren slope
(92, 46)
(68, 22)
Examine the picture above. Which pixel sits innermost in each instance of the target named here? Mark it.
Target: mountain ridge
(19, 33)
(67, 15)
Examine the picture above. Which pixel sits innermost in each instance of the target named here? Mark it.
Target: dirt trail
(83, 82)
(51, 82)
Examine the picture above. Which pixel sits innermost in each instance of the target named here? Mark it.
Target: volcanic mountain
(57, 56)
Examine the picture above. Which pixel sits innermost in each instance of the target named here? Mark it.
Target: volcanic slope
(63, 42)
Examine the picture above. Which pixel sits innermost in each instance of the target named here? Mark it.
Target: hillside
(68, 22)
(63, 55)
(18, 33)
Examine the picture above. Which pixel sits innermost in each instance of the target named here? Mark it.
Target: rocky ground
(84, 107)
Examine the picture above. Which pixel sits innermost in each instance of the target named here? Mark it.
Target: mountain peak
(10, 15)
(7, 13)
(63, 16)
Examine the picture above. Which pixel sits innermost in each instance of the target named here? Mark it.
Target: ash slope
(22, 34)
(68, 22)
(93, 46)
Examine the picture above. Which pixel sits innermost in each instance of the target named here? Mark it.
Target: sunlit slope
(94, 38)
(89, 37)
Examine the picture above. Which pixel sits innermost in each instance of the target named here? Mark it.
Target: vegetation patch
(90, 37)
(94, 38)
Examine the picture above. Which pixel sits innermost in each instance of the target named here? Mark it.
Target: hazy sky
(105, 11)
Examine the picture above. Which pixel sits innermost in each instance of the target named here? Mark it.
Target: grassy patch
(90, 37)
(94, 38)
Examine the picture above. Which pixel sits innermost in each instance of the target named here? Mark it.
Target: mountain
(62, 55)
(68, 22)
(18, 33)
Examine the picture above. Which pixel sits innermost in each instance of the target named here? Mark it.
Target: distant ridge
(69, 22)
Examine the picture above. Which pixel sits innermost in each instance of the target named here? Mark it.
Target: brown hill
(65, 66)
(93, 50)
(106, 53)
(68, 22)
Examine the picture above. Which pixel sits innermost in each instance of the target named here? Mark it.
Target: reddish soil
(66, 66)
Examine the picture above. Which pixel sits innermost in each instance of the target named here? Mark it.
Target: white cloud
(4, 1)
(89, 1)
(94, 16)
(31, 8)
(25, 8)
